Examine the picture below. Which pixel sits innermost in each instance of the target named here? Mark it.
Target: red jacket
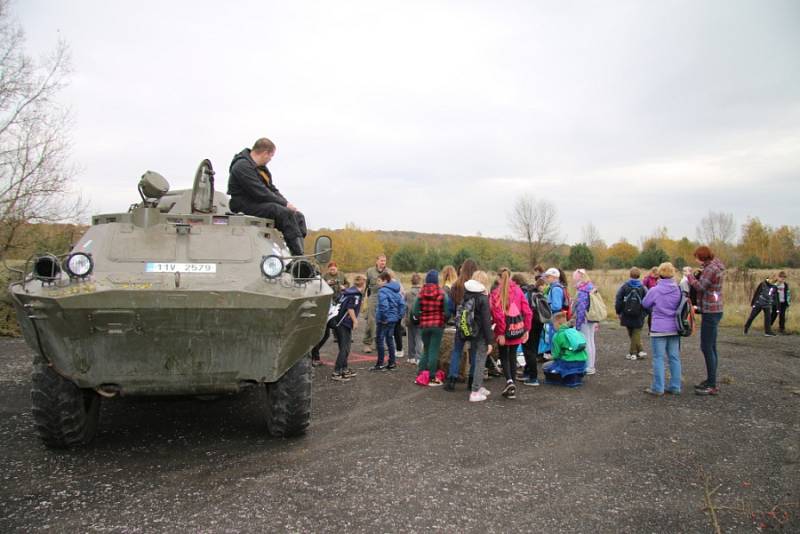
(498, 314)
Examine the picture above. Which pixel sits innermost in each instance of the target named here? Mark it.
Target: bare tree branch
(36, 176)
(717, 229)
(536, 223)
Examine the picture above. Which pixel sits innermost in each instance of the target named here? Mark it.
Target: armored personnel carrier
(175, 296)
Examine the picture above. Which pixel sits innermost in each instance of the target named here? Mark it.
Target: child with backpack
(512, 323)
(391, 308)
(631, 313)
(346, 320)
(663, 300)
(530, 348)
(555, 298)
(583, 324)
(457, 292)
(476, 327)
(412, 326)
(569, 354)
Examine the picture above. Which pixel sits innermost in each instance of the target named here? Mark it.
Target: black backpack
(466, 326)
(684, 316)
(539, 305)
(632, 303)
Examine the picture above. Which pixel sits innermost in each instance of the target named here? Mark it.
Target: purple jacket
(662, 301)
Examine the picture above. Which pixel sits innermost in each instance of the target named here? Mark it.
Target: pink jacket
(499, 317)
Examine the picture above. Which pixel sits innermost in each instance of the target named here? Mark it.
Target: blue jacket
(391, 304)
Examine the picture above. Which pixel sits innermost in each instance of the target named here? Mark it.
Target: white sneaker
(642, 354)
(591, 371)
(630, 356)
(485, 392)
(476, 396)
(412, 361)
(398, 354)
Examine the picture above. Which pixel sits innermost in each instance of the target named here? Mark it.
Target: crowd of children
(539, 320)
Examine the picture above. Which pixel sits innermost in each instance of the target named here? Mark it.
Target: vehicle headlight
(79, 265)
(271, 266)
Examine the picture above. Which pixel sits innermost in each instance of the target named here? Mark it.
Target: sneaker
(485, 392)
(631, 357)
(366, 350)
(435, 382)
(377, 367)
(531, 382)
(340, 377)
(708, 390)
(476, 396)
(391, 367)
(591, 371)
(450, 384)
(398, 353)
(316, 363)
(653, 393)
(412, 361)
(702, 385)
(423, 378)
(348, 373)
(642, 354)
(672, 392)
(510, 391)
(769, 334)
(522, 378)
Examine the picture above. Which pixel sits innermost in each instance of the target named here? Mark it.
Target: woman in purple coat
(662, 301)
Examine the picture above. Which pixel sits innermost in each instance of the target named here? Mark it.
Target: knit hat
(432, 277)
(552, 271)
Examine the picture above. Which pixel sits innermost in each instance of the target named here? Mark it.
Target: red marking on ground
(354, 357)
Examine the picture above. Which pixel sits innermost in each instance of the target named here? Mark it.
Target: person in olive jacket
(632, 320)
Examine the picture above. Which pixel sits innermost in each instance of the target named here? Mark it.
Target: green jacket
(569, 345)
(337, 281)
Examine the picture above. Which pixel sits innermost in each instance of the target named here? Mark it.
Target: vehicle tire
(64, 414)
(289, 401)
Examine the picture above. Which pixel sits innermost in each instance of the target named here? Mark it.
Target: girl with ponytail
(512, 322)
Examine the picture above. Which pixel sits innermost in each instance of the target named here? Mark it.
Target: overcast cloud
(434, 116)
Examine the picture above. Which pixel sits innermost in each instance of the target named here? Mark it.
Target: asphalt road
(384, 455)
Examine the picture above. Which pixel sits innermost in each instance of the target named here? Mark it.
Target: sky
(436, 116)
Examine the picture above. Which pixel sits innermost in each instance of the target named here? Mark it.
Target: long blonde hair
(505, 281)
(448, 275)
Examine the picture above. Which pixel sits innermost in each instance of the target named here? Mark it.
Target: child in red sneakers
(431, 309)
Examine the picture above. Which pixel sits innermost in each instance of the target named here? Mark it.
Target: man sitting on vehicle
(253, 192)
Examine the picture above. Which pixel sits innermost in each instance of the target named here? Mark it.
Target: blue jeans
(385, 332)
(708, 344)
(455, 356)
(666, 346)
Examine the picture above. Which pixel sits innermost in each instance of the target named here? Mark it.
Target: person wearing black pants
(784, 298)
(764, 300)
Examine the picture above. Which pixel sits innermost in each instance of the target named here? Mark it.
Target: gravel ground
(384, 455)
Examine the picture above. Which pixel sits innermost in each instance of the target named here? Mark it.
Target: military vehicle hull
(176, 296)
(152, 342)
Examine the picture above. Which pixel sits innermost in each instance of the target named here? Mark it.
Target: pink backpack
(423, 378)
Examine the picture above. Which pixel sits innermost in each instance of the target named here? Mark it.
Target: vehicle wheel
(289, 401)
(64, 414)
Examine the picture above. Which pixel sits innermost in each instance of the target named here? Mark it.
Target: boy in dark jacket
(765, 298)
(484, 338)
(347, 320)
(625, 304)
(391, 307)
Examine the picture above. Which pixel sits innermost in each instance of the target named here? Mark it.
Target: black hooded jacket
(246, 186)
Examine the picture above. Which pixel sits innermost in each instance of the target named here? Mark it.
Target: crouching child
(569, 355)
(347, 319)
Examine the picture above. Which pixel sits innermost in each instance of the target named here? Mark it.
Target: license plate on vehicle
(199, 268)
